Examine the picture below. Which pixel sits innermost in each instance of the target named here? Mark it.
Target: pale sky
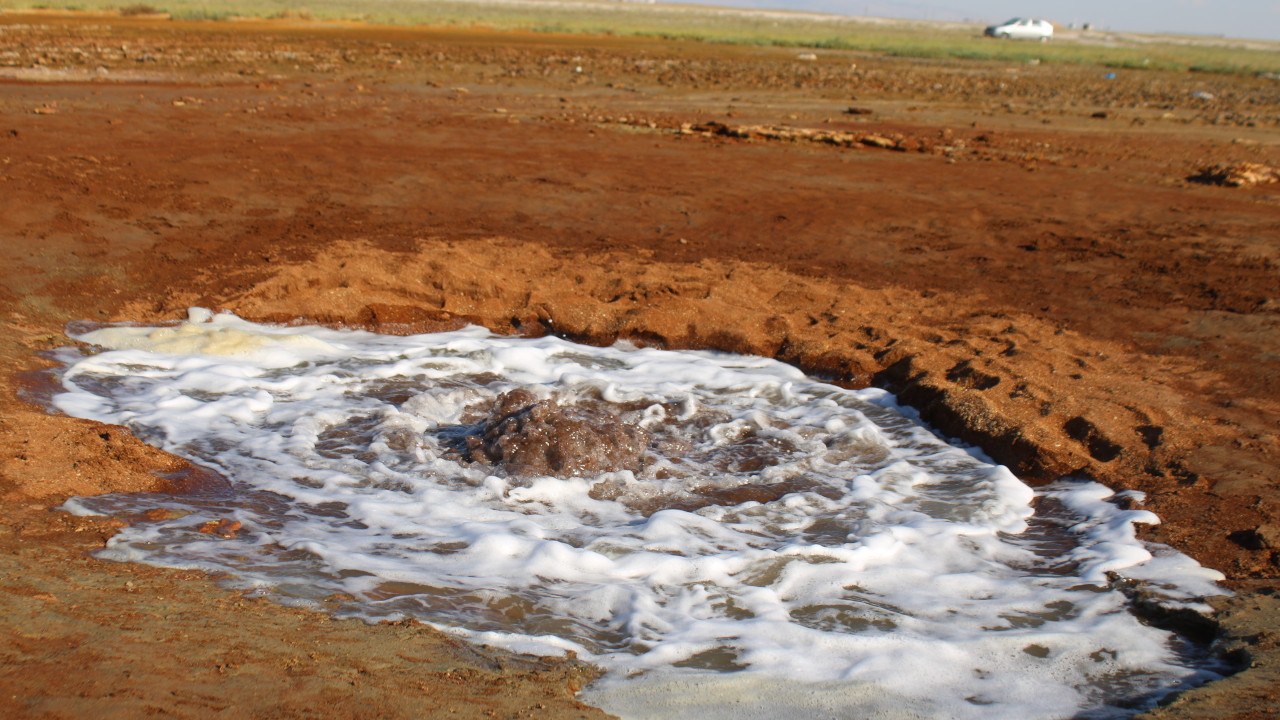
(1254, 19)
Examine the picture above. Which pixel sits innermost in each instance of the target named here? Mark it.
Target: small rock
(223, 528)
(879, 141)
(1237, 175)
(1269, 535)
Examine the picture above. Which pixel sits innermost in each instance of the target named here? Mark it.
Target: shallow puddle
(780, 545)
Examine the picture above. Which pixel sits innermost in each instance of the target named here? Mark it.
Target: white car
(1022, 29)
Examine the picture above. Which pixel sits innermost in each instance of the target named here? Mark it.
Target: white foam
(207, 334)
(901, 577)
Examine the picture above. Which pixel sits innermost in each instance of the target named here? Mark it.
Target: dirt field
(1032, 256)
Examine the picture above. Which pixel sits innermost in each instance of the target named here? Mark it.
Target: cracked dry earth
(1025, 259)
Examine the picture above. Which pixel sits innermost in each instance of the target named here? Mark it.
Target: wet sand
(1020, 252)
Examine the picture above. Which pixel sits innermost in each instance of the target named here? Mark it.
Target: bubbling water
(709, 528)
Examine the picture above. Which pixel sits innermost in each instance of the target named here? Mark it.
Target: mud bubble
(526, 436)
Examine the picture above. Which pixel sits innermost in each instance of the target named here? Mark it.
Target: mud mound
(526, 436)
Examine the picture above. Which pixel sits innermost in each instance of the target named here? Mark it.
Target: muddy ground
(1030, 255)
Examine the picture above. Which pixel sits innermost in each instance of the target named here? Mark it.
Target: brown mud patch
(1035, 273)
(524, 435)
